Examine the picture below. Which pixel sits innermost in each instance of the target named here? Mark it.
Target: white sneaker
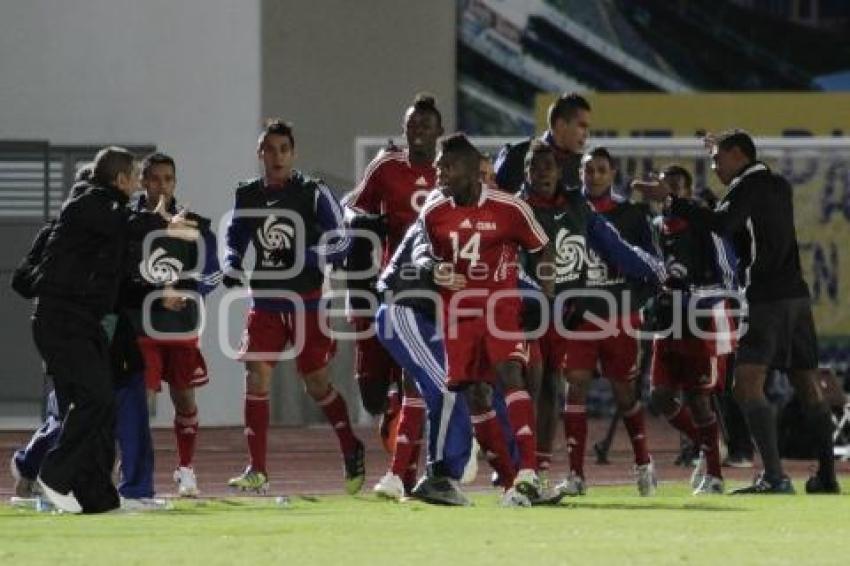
(646, 480)
(549, 494)
(699, 471)
(470, 471)
(389, 487)
(67, 503)
(187, 484)
(572, 486)
(145, 504)
(513, 498)
(528, 483)
(710, 486)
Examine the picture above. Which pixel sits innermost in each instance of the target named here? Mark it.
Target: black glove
(230, 282)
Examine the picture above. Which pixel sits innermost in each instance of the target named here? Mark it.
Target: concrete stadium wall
(195, 79)
(184, 76)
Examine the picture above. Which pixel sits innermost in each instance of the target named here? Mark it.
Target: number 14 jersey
(481, 240)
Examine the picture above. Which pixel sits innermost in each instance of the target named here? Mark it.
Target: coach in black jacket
(77, 282)
(757, 214)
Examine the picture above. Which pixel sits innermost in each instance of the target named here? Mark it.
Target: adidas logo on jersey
(466, 224)
(421, 182)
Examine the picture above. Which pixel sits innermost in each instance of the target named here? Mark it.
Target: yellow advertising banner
(762, 114)
(821, 180)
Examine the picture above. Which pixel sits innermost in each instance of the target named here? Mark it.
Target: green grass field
(610, 525)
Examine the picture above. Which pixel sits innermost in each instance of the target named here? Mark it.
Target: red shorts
(267, 333)
(553, 349)
(616, 356)
(473, 352)
(688, 365)
(177, 362)
(372, 361)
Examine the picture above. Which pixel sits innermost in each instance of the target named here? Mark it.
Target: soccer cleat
(699, 471)
(710, 485)
(513, 498)
(355, 469)
(820, 485)
(250, 480)
(549, 494)
(763, 486)
(528, 484)
(187, 483)
(470, 471)
(572, 486)
(389, 487)
(67, 503)
(25, 488)
(145, 504)
(440, 491)
(646, 480)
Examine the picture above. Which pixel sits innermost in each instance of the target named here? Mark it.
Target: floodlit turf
(609, 525)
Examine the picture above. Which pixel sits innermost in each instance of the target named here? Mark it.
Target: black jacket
(757, 214)
(83, 260)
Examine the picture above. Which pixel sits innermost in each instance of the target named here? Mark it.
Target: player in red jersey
(391, 193)
(475, 233)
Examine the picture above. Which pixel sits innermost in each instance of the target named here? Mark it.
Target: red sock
(544, 461)
(257, 429)
(393, 400)
(336, 411)
(521, 416)
(683, 421)
(709, 443)
(489, 433)
(186, 432)
(633, 419)
(575, 431)
(409, 438)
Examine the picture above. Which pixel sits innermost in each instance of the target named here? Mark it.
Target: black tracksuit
(77, 283)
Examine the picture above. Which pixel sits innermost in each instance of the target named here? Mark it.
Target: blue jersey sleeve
(211, 274)
(634, 261)
(336, 241)
(236, 239)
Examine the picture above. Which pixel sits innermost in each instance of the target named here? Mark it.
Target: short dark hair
(679, 171)
(109, 163)
(84, 173)
(426, 102)
(156, 159)
(276, 127)
(459, 145)
(737, 138)
(566, 107)
(537, 147)
(599, 152)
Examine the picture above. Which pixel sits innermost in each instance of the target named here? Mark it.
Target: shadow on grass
(649, 506)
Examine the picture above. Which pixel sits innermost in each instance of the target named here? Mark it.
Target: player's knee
(478, 397)
(316, 383)
(662, 401)
(257, 379)
(374, 398)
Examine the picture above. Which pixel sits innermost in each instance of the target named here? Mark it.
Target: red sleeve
(367, 196)
(527, 230)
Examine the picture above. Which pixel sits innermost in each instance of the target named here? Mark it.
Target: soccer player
(757, 214)
(700, 264)
(616, 354)
(169, 267)
(291, 220)
(569, 123)
(393, 189)
(475, 234)
(570, 223)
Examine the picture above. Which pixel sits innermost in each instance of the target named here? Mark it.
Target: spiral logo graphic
(160, 268)
(276, 234)
(571, 255)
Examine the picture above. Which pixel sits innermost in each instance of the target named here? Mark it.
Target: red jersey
(392, 185)
(482, 240)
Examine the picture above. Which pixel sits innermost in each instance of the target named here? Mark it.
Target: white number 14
(470, 250)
